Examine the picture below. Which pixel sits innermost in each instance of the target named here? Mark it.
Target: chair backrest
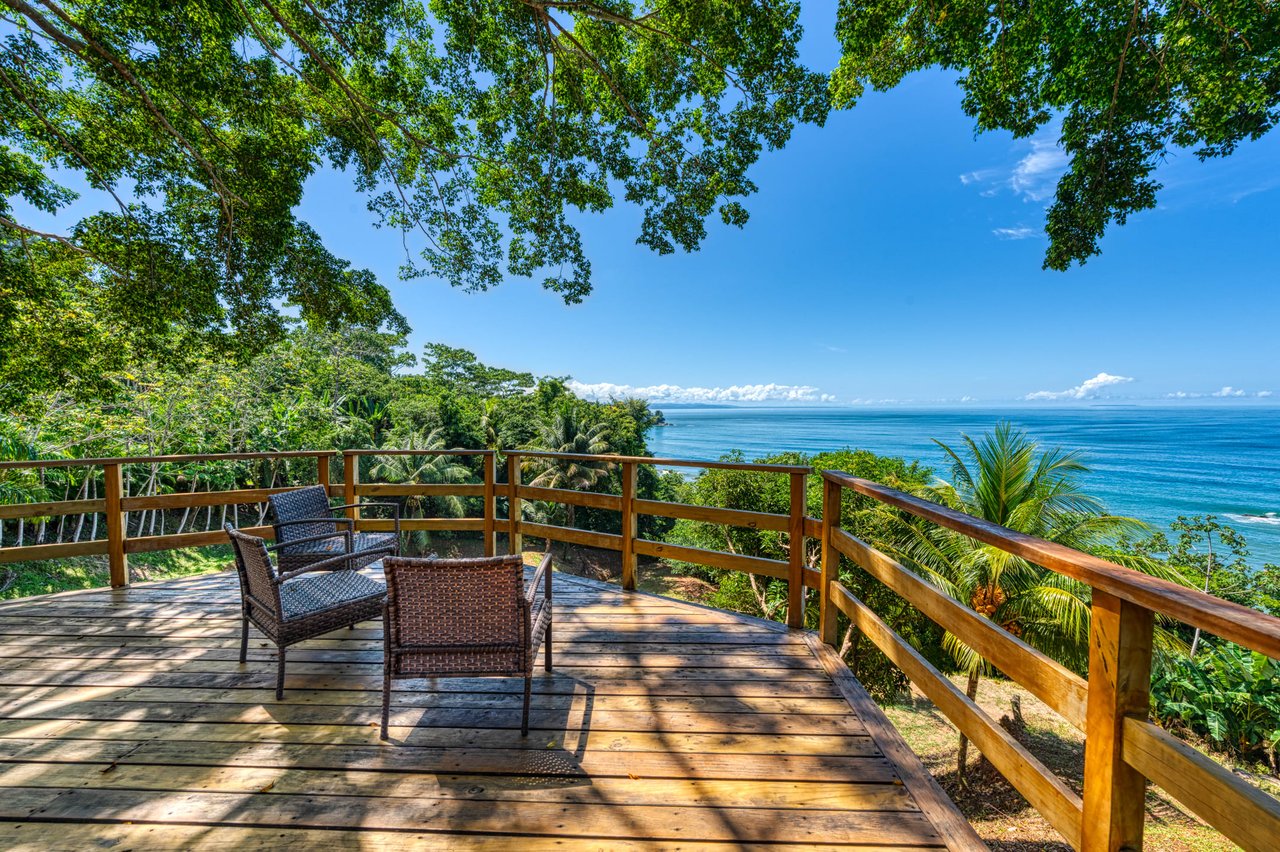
(455, 602)
(298, 504)
(253, 564)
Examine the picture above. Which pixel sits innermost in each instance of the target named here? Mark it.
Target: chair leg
(546, 661)
(244, 638)
(528, 690)
(386, 698)
(280, 674)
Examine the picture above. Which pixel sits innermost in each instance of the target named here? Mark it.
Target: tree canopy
(475, 128)
(480, 130)
(1128, 81)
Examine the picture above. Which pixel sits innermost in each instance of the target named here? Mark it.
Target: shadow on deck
(126, 721)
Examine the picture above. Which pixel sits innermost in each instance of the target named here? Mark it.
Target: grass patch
(23, 579)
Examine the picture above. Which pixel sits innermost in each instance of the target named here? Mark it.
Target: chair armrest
(541, 579)
(395, 509)
(350, 523)
(345, 534)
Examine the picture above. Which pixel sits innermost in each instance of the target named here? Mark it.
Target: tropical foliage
(1003, 477)
(1228, 695)
(313, 390)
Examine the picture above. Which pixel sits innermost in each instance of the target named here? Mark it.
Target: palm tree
(489, 424)
(565, 433)
(1004, 478)
(422, 469)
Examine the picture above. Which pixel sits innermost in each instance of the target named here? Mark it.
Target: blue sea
(1153, 463)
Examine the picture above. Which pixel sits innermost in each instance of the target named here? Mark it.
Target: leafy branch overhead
(483, 129)
(1128, 80)
(475, 128)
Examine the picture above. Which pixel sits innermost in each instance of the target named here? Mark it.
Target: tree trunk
(1208, 572)
(85, 494)
(962, 758)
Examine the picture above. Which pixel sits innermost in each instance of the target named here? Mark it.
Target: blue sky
(890, 256)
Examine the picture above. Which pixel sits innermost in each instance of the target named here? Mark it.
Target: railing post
(117, 561)
(515, 541)
(490, 510)
(830, 561)
(322, 472)
(795, 566)
(1119, 685)
(350, 477)
(628, 525)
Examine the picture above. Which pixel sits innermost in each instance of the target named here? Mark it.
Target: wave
(1271, 518)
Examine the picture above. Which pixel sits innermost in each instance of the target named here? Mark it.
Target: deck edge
(956, 831)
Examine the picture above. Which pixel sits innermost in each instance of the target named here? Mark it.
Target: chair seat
(313, 593)
(364, 542)
(500, 660)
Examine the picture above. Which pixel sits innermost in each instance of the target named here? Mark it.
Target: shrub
(1228, 695)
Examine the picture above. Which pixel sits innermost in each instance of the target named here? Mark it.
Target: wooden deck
(126, 722)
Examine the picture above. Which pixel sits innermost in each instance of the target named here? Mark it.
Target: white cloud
(1085, 390)
(1227, 392)
(1021, 232)
(677, 393)
(1034, 177)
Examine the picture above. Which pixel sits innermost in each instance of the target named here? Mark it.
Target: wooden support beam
(795, 558)
(1119, 687)
(830, 562)
(515, 541)
(322, 472)
(490, 507)
(1244, 813)
(350, 478)
(117, 561)
(629, 526)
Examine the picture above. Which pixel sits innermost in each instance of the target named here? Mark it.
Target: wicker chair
(305, 527)
(464, 617)
(289, 607)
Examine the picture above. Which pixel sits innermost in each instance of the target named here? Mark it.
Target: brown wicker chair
(289, 607)
(303, 516)
(464, 617)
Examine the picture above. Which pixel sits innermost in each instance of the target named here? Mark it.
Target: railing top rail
(1231, 621)
(396, 452)
(93, 462)
(715, 465)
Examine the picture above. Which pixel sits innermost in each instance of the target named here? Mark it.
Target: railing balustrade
(1123, 749)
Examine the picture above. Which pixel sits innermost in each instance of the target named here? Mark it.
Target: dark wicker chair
(289, 606)
(305, 525)
(464, 617)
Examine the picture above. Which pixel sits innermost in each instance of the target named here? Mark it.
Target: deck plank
(126, 718)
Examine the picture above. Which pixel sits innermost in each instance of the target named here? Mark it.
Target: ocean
(1153, 463)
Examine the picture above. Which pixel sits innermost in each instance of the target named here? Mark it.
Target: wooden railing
(628, 504)
(115, 505)
(1123, 749)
